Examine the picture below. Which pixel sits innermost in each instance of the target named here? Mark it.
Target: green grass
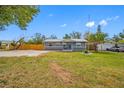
(105, 69)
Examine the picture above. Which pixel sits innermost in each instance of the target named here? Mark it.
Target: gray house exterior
(65, 44)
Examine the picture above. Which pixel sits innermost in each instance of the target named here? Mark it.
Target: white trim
(65, 40)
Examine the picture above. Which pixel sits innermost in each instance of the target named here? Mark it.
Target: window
(57, 44)
(48, 44)
(78, 44)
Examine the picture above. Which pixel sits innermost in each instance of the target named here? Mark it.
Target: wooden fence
(31, 47)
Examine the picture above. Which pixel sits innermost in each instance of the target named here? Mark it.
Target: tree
(18, 15)
(37, 39)
(99, 28)
(100, 36)
(116, 38)
(122, 34)
(87, 35)
(75, 35)
(17, 44)
(67, 36)
(0, 44)
(43, 37)
(53, 37)
(96, 38)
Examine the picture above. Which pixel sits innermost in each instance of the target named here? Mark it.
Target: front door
(67, 46)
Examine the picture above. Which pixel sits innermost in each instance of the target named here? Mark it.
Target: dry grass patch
(61, 73)
(63, 69)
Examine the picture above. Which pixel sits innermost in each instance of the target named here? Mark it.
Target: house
(104, 46)
(5, 44)
(65, 44)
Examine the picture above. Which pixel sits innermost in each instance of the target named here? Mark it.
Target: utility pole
(89, 29)
(89, 19)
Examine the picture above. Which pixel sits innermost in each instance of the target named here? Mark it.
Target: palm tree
(75, 35)
(67, 36)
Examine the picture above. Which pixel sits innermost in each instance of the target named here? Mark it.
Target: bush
(86, 51)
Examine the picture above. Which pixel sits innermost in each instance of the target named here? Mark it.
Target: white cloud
(64, 25)
(112, 18)
(103, 22)
(50, 14)
(116, 17)
(90, 24)
(109, 19)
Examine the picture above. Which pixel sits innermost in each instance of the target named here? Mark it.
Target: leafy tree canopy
(73, 35)
(98, 37)
(18, 15)
(37, 39)
(66, 36)
(52, 37)
(116, 38)
(121, 34)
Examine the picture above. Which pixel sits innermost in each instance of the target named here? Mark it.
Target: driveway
(18, 53)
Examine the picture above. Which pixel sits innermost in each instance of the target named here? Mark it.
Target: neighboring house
(5, 44)
(104, 46)
(121, 44)
(65, 44)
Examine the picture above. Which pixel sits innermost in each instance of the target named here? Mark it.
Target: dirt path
(61, 73)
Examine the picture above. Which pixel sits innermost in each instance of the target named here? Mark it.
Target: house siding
(53, 47)
(65, 45)
(107, 45)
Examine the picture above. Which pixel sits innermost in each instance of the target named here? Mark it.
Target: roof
(65, 40)
(75, 40)
(53, 40)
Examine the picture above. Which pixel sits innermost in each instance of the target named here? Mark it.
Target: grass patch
(104, 69)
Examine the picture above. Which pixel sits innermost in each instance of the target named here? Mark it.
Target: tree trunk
(17, 47)
(101, 47)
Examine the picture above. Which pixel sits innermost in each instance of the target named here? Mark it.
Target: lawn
(63, 69)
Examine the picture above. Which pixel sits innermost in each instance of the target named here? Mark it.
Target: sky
(60, 20)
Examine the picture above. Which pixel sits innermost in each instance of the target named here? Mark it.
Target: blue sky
(59, 20)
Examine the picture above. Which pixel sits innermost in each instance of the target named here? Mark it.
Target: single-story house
(5, 44)
(65, 44)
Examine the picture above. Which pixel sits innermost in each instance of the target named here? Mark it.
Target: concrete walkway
(18, 53)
